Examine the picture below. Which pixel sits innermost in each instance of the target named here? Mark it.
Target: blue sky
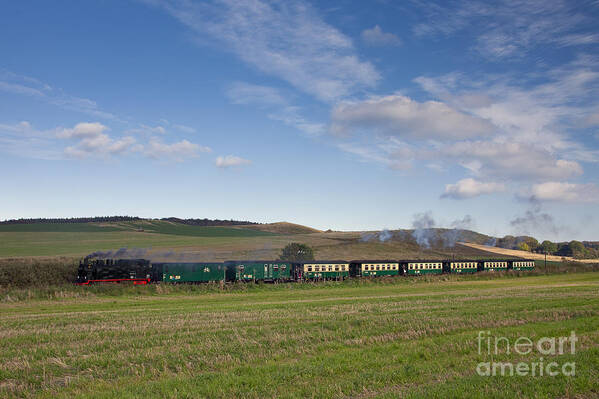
(342, 115)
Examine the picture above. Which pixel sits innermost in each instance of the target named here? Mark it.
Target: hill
(282, 228)
(172, 239)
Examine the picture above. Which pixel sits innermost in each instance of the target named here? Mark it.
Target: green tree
(532, 243)
(296, 252)
(523, 246)
(549, 247)
(577, 248)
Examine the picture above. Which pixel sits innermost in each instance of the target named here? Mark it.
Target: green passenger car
(374, 268)
(493, 265)
(200, 272)
(461, 266)
(522, 264)
(324, 270)
(420, 267)
(260, 270)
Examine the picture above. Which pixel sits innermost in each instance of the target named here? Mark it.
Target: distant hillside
(118, 219)
(282, 228)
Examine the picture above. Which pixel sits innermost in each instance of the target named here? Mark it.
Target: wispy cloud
(24, 85)
(291, 116)
(498, 128)
(511, 28)
(247, 93)
(231, 161)
(288, 40)
(376, 37)
(23, 140)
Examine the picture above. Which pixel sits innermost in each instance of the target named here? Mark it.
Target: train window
(336, 268)
(309, 268)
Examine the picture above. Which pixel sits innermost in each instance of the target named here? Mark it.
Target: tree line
(575, 249)
(109, 219)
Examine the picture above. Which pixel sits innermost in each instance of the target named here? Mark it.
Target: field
(399, 337)
(380, 338)
(203, 243)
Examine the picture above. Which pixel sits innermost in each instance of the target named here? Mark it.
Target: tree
(548, 247)
(577, 248)
(523, 246)
(296, 252)
(532, 243)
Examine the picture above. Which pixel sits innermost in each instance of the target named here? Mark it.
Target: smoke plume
(383, 236)
(534, 221)
(423, 225)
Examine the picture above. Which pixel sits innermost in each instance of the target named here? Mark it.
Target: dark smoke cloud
(147, 253)
(534, 220)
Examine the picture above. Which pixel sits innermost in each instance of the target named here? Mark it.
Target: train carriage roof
(375, 261)
(316, 262)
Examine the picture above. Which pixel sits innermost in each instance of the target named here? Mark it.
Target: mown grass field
(402, 337)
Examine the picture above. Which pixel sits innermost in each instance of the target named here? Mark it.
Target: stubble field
(408, 337)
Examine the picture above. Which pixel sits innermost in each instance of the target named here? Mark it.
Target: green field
(399, 337)
(78, 239)
(204, 243)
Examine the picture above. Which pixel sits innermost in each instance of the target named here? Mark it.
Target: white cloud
(508, 160)
(288, 40)
(376, 37)
(100, 145)
(401, 116)
(93, 141)
(230, 161)
(469, 188)
(565, 192)
(83, 130)
(178, 151)
(247, 93)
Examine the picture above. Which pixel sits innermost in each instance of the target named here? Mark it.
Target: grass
(58, 228)
(203, 243)
(160, 227)
(396, 337)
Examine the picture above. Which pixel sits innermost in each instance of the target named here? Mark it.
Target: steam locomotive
(144, 271)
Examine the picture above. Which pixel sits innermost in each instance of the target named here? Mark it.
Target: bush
(36, 272)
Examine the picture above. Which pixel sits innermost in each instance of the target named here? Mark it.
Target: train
(145, 271)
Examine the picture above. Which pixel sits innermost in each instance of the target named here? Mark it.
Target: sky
(339, 115)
